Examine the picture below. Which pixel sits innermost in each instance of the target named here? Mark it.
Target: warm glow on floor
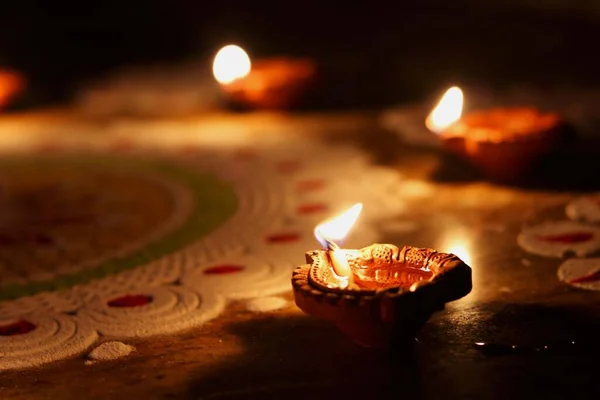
(461, 251)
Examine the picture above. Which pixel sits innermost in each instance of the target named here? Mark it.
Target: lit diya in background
(273, 83)
(503, 142)
(380, 295)
(11, 84)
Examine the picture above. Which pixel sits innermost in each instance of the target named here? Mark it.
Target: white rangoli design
(283, 190)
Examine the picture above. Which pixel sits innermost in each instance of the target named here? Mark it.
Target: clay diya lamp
(273, 83)
(11, 84)
(394, 293)
(504, 143)
(380, 295)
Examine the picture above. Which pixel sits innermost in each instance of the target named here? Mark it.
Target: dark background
(371, 54)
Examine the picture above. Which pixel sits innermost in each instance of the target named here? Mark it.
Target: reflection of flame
(447, 112)
(460, 250)
(336, 229)
(231, 63)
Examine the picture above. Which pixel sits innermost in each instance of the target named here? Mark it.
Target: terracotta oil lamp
(503, 142)
(379, 295)
(273, 83)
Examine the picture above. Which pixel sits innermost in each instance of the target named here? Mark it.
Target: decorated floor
(135, 241)
(153, 260)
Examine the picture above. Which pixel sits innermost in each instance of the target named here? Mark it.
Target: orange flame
(335, 231)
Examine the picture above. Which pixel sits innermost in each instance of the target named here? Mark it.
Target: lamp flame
(336, 229)
(231, 63)
(447, 112)
(331, 234)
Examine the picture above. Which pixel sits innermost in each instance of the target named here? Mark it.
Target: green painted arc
(214, 203)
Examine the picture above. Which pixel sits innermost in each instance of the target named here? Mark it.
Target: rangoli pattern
(134, 241)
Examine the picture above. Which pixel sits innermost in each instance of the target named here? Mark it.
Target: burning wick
(341, 269)
(337, 229)
(331, 246)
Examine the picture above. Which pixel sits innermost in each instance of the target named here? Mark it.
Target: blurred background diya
(266, 83)
(12, 84)
(504, 142)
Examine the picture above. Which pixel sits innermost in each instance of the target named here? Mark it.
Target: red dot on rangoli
(189, 149)
(311, 208)
(245, 154)
(310, 185)
(49, 147)
(130, 300)
(288, 166)
(122, 145)
(572, 237)
(223, 269)
(16, 328)
(283, 237)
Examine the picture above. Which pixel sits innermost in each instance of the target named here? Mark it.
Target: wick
(340, 268)
(331, 245)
